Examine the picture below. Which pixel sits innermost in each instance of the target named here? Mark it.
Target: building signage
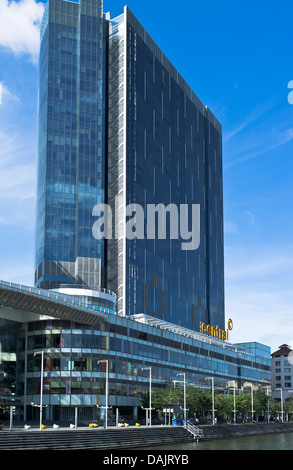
(216, 331)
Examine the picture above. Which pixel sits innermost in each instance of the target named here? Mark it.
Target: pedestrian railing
(194, 430)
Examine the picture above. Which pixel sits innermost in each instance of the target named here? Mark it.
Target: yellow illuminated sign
(215, 331)
(230, 325)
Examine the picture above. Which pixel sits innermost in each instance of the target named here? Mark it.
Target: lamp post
(252, 410)
(213, 398)
(146, 415)
(106, 391)
(234, 397)
(150, 408)
(42, 383)
(282, 412)
(184, 385)
(234, 400)
(41, 386)
(289, 393)
(268, 403)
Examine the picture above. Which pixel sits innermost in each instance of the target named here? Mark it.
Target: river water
(278, 441)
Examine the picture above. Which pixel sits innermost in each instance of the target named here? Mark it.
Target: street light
(184, 384)
(268, 403)
(42, 384)
(252, 410)
(281, 390)
(41, 390)
(213, 398)
(150, 408)
(106, 407)
(234, 398)
(289, 393)
(146, 415)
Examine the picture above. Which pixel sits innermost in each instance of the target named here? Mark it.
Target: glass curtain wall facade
(72, 375)
(171, 154)
(118, 122)
(71, 174)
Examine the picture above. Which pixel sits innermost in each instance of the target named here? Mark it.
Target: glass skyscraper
(118, 123)
(72, 127)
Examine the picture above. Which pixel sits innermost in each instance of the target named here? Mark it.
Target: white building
(282, 365)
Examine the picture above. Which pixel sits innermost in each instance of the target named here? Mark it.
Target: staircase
(94, 439)
(194, 430)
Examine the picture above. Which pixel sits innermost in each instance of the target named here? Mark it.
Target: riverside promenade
(92, 439)
(125, 438)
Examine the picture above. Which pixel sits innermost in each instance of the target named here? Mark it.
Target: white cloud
(230, 227)
(262, 314)
(257, 145)
(7, 95)
(19, 269)
(20, 27)
(259, 295)
(248, 263)
(255, 115)
(18, 174)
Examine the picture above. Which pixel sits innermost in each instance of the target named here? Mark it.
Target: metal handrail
(194, 430)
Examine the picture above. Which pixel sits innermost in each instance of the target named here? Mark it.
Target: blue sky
(237, 57)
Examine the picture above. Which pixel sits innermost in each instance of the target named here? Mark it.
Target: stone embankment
(126, 438)
(93, 439)
(227, 431)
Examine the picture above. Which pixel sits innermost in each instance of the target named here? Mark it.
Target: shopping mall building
(75, 333)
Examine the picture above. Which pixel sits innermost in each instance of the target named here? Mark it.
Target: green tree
(288, 408)
(243, 403)
(198, 401)
(224, 405)
(162, 396)
(260, 402)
